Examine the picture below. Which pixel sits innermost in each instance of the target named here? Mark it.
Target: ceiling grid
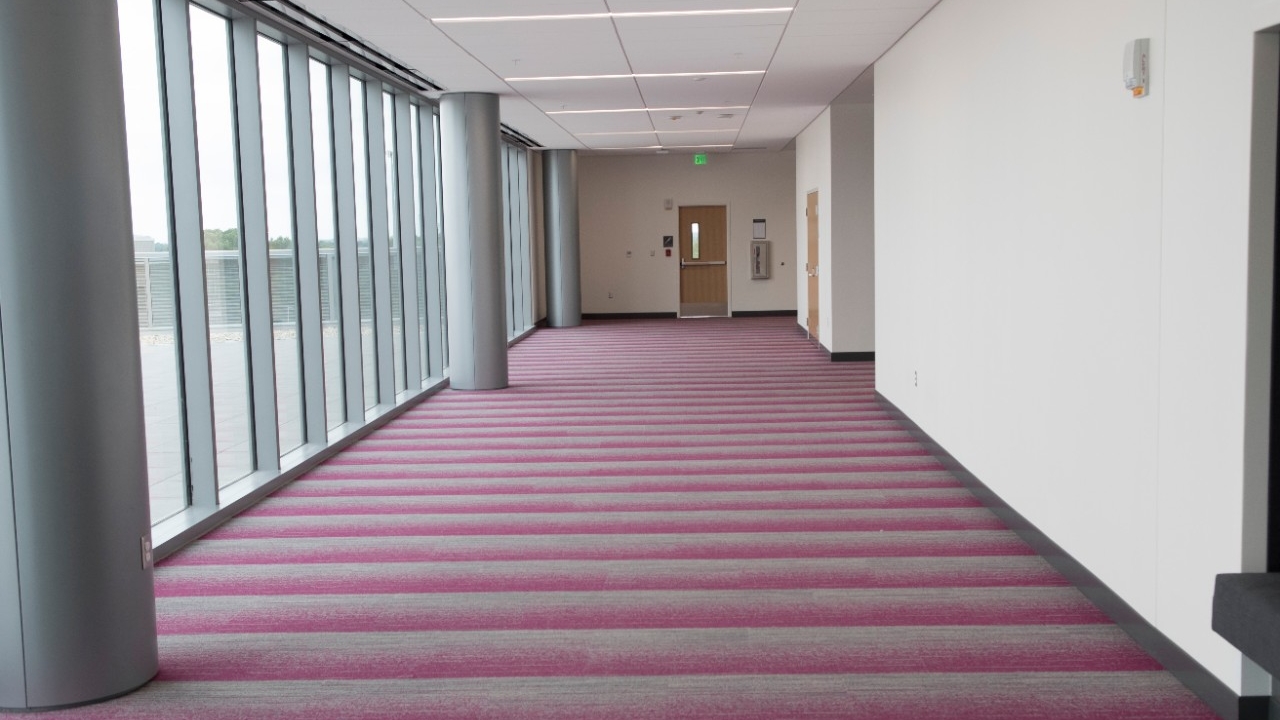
(640, 76)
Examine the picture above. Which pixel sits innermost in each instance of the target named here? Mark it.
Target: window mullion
(253, 223)
(182, 165)
(408, 241)
(379, 244)
(306, 241)
(345, 191)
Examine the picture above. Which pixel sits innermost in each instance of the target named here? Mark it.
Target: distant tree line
(229, 239)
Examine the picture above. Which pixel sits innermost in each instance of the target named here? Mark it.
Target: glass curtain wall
(211, 62)
(153, 258)
(515, 191)
(218, 242)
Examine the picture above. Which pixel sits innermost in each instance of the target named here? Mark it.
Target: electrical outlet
(916, 373)
(610, 294)
(653, 253)
(148, 557)
(628, 253)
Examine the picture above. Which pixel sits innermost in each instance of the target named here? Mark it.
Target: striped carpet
(660, 520)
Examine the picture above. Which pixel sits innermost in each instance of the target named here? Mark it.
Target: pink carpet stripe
(611, 523)
(687, 546)
(586, 468)
(654, 653)
(355, 484)
(552, 576)
(637, 609)
(616, 502)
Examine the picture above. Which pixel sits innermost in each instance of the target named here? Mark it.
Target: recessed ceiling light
(606, 15)
(698, 75)
(652, 110)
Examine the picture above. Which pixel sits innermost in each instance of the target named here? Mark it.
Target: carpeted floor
(659, 520)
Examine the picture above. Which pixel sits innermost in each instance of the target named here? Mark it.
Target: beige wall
(621, 206)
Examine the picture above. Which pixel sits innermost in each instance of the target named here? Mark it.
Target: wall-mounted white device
(1137, 54)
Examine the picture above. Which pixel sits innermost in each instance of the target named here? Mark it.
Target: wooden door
(811, 264)
(704, 277)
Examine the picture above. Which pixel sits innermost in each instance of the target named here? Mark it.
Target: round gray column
(77, 602)
(476, 290)
(564, 273)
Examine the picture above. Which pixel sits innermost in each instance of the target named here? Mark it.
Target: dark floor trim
(1176, 660)
(629, 316)
(763, 313)
(853, 356)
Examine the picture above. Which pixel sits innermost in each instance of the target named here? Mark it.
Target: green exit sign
(700, 159)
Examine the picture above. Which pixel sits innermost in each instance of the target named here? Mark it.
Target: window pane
(415, 118)
(283, 267)
(153, 259)
(444, 301)
(330, 285)
(364, 256)
(224, 271)
(506, 230)
(393, 237)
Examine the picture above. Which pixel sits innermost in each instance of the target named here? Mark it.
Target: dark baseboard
(853, 356)
(1176, 660)
(1255, 707)
(764, 313)
(629, 316)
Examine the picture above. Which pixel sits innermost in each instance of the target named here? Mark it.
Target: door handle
(704, 263)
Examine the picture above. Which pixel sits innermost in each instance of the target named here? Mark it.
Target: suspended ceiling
(684, 75)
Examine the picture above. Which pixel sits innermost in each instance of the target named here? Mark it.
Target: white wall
(1065, 268)
(813, 172)
(621, 206)
(835, 156)
(853, 231)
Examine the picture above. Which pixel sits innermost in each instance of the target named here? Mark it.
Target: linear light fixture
(624, 76)
(662, 147)
(660, 132)
(609, 15)
(636, 110)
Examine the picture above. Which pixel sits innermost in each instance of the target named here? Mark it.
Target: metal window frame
(306, 241)
(432, 241)
(409, 261)
(345, 204)
(380, 253)
(253, 244)
(182, 166)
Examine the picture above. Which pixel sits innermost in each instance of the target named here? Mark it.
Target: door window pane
(224, 267)
(153, 260)
(364, 249)
(393, 237)
(330, 279)
(283, 266)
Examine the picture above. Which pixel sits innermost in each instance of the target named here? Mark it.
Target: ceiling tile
(611, 94)
(539, 49)
(492, 8)
(670, 5)
(717, 90)
(699, 120)
(605, 122)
